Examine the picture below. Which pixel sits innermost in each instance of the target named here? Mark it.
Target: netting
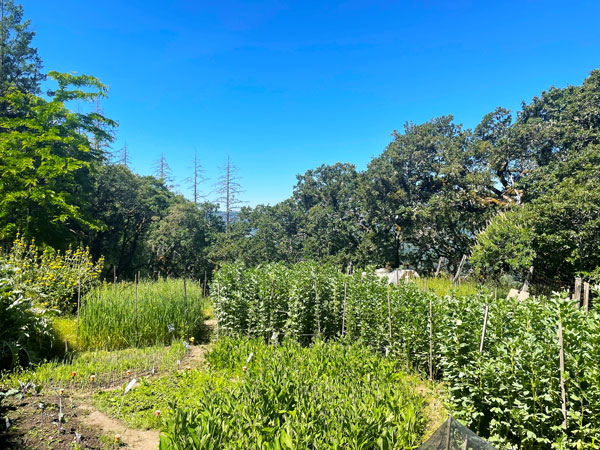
(451, 435)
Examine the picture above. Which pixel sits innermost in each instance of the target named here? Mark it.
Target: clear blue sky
(283, 87)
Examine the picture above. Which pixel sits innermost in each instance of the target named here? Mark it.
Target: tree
(196, 179)
(162, 171)
(557, 232)
(20, 65)
(47, 153)
(426, 196)
(228, 189)
(127, 205)
(181, 240)
(331, 226)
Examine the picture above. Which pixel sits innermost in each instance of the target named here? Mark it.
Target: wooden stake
(460, 266)
(577, 291)
(204, 286)
(344, 312)
(485, 319)
(430, 339)
(389, 314)
(115, 275)
(561, 355)
(586, 296)
(136, 277)
(186, 305)
(78, 306)
(439, 266)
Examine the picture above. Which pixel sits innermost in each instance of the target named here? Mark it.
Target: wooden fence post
(204, 286)
(448, 434)
(485, 319)
(586, 296)
(561, 355)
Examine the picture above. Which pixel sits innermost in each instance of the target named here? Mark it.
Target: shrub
(50, 277)
(24, 334)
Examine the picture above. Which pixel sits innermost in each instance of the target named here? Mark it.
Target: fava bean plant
(509, 392)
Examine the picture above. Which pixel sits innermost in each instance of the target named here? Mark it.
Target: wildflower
(61, 392)
(92, 377)
(192, 339)
(129, 373)
(73, 374)
(244, 369)
(157, 413)
(117, 437)
(188, 368)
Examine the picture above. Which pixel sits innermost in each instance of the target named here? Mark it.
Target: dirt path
(134, 439)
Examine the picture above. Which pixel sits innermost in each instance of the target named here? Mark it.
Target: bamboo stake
(460, 266)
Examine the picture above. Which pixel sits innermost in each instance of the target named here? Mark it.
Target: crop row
(149, 313)
(509, 392)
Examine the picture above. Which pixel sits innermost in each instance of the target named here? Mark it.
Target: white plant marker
(127, 389)
(249, 357)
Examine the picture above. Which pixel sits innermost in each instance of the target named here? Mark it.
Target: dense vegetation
(509, 392)
(529, 179)
(283, 397)
(149, 313)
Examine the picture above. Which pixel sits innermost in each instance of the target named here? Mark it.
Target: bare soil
(34, 425)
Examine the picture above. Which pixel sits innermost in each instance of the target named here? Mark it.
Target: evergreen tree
(20, 64)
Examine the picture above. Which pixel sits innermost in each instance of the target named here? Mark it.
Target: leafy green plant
(112, 318)
(25, 335)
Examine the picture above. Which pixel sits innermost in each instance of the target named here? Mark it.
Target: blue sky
(283, 87)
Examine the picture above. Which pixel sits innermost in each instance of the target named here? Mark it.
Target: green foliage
(46, 152)
(504, 247)
(106, 367)
(111, 318)
(20, 65)
(323, 396)
(25, 336)
(510, 392)
(181, 240)
(557, 231)
(52, 278)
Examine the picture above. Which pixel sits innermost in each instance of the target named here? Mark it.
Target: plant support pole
(389, 314)
(430, 339)
(78, 306)
(485, 319)
(344, 310)
(563, 393)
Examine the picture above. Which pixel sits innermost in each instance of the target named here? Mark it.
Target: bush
(25, 335)
(51, 278)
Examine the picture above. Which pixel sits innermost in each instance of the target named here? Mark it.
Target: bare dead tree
(122, 156)
(228, 188)
(196, 179)
(162, 170)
